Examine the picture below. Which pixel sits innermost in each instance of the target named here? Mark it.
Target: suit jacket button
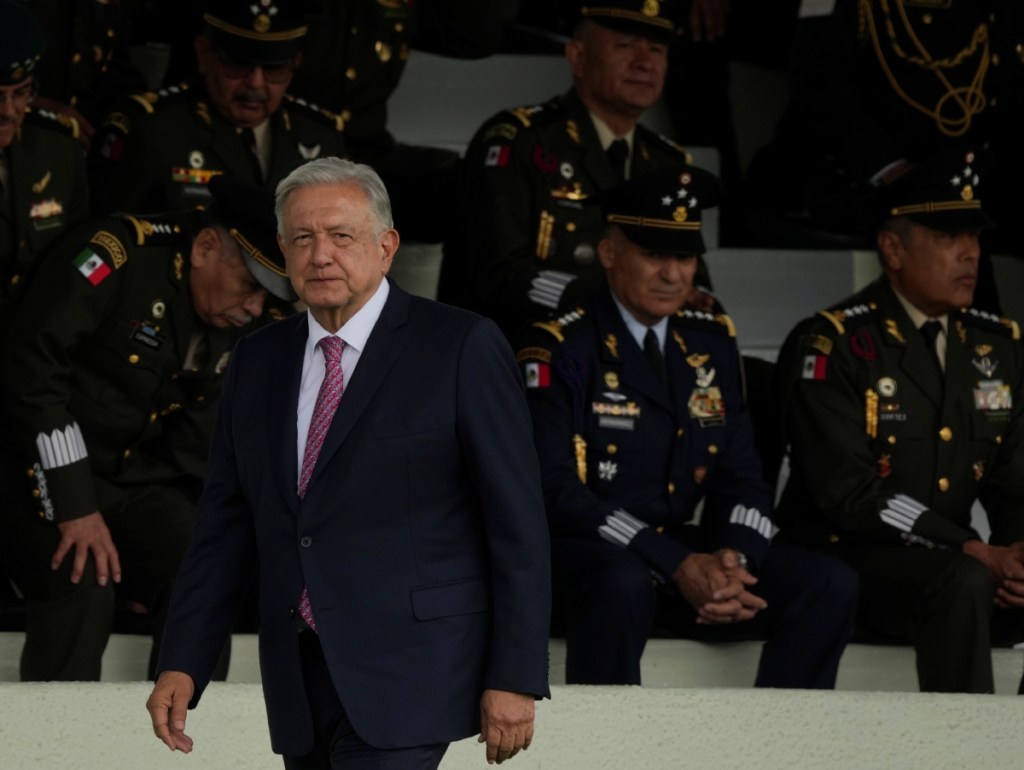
(306, 541)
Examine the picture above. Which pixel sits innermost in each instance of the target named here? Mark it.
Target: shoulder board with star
(990, 322)
(718, 323)
(153, 231)
(151, 101)
(850, 316)
(53, 121)
(317, 113)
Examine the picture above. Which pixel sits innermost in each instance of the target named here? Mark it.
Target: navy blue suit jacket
(421, 537)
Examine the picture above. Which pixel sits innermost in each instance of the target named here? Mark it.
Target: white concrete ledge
(105, 726)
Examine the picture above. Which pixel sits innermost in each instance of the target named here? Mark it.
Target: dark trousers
(939, 601)
(67, 625)
(336, 744)
(610, 604)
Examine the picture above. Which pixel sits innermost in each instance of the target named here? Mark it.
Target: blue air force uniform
(627, 460)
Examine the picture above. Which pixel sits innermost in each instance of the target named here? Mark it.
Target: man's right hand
(168, 707)
(1006, 566)
(88, 535)
(717, 587)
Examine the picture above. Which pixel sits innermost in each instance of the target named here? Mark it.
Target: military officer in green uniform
(43, 186)
(114, 361)
(234, 116)
(903, 406)
(528, 245)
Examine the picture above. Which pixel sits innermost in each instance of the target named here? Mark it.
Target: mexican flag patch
(92, 266)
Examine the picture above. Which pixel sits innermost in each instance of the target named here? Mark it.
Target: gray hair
(336, 171)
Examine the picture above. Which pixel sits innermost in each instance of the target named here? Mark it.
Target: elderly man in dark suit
(400, 542)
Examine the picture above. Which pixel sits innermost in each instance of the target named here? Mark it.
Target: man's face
(621, 74)
(935, 270)
(14, 100)
(336, 251)
(650, 285)
(244, 94)
(224, 292)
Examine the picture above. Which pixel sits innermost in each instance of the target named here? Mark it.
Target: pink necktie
(323, 412)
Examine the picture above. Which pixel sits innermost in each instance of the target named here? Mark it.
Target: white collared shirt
(606, 136)
(638, 331)
(354, 334)
(918, 319)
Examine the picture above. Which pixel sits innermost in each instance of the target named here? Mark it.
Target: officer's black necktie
(931, 330)
(249, 140)
(652, 350)
(618, 154)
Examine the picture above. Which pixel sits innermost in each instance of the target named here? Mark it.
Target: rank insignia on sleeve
(815, 367)
(92, 266)
(537, 374)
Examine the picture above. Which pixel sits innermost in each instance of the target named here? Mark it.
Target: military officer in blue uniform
(159, 151)
(43, 186)
(114, 359)
(639, 418)
(903, 407)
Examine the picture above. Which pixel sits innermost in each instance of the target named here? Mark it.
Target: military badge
(886, 387)
(612, 396)
(583, 254)
(196, 159)
(544, 160)
(815, 367)
(707, 406)
(884, 466)
(38, 187)
(309, 151)
(611, 379)
(158, 309)
(679, 341)
(986, 366)
(43, 213)
(894, 331)
(112, 245)
(497, 155)
(566, 170)
(612, 343)
(537, 374)
(978, 469)
(501, 131)
(607, 470)
(863, 345)
(145, 333)
(993, 396)
(572, 130)
(92, 266)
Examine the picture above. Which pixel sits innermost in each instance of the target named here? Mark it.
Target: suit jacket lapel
(382, 350)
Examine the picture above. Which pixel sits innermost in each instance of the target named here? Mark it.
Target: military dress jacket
(48, 192)
(160, 150)
(531, 226)
(96, 381)
(627, 458)
(883, 447)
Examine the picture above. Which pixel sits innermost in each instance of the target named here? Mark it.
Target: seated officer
(234, 116)
(527, 245)
(903, 407)
(114, 359)
(43, 187)
(639, 418)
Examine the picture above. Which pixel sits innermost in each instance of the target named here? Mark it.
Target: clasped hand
(716, 585)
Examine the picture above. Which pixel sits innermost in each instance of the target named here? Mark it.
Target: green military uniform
(529, 245)
(111, 385)
(47, 191)
(888, 457)
(161, 149)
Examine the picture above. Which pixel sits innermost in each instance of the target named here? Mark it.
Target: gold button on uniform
(570, 226)
(999, 439)
(612, 449)
(127, 453)
(133, 359)
(350, 73)
(153, 416)
(946, 434)
(892, 440)
(679, 432)
(713, 449)
(943, 484)
(671, 488)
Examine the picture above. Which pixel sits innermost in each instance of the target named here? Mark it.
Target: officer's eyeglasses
(236, 70)
(19, 96)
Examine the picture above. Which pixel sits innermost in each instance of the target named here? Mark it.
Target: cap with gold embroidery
(256, 31)
(247, 211)
(656, 19)
(661, 211)
(942, 192)
(21, 42)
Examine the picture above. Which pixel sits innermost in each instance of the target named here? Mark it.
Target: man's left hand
(506, 724)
